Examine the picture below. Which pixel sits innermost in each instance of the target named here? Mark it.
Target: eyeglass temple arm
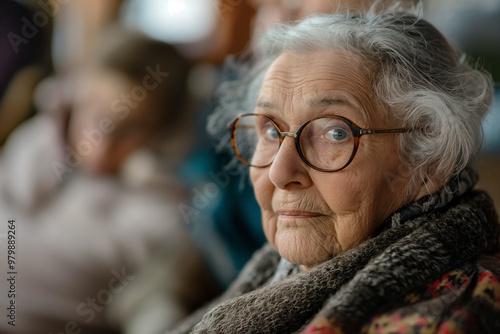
(371, 131)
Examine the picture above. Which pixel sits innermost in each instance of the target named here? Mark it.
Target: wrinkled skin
(310, 216)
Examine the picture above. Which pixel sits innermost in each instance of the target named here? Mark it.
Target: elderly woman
(359, 145)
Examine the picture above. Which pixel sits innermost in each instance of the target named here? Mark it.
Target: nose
(288, 170)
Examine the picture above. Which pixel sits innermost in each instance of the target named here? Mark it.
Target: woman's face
(310, 216)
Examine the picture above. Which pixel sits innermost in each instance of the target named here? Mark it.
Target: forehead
(319, 82)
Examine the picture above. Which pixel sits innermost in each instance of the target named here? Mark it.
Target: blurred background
(106, 163)
(475, 28)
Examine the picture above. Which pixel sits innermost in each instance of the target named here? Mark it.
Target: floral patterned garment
(449, 305)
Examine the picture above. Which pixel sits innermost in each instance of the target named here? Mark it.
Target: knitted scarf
(415, 245)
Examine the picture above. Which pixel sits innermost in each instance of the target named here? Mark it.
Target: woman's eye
(336, 135)
(271, 132)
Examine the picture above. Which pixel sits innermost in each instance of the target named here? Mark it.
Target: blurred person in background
(272, 12)
(226, 247)
(91, 182)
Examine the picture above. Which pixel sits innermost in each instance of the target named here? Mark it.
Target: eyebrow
(266, 105)
(326, 101)
(314, 103)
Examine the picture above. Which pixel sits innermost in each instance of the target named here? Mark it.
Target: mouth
(295, 214)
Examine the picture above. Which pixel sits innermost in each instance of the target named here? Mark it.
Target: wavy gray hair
(426, 84)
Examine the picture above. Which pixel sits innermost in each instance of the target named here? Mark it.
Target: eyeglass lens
(326, 142)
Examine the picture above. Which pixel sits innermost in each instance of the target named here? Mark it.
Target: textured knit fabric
(426, 270)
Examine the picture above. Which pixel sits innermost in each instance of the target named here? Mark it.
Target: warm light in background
(176, 7)
(172, 21)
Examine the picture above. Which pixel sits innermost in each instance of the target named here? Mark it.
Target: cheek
(344, 197)
(269, 225)
(264, 189)
(362, 196)
(352, 195)
(262, 186)
(342, 191)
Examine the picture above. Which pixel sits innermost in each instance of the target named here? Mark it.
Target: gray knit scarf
(414, 246)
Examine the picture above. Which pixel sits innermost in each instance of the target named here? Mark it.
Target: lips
(293, 214)
(293, 206)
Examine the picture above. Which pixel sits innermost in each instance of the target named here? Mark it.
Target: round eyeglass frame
(356, 131)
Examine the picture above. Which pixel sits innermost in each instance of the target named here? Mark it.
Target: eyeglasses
(326, 143)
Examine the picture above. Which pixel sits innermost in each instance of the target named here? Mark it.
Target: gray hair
(427, 85)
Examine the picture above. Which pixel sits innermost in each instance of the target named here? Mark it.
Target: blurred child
(91, 183)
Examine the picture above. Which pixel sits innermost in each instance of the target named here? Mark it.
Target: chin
(301, 250)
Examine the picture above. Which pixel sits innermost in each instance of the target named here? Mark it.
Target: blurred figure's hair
(131, 53)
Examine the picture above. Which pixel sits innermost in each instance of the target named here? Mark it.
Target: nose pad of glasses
(289, 134)
(283, 137)
(293, 146)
